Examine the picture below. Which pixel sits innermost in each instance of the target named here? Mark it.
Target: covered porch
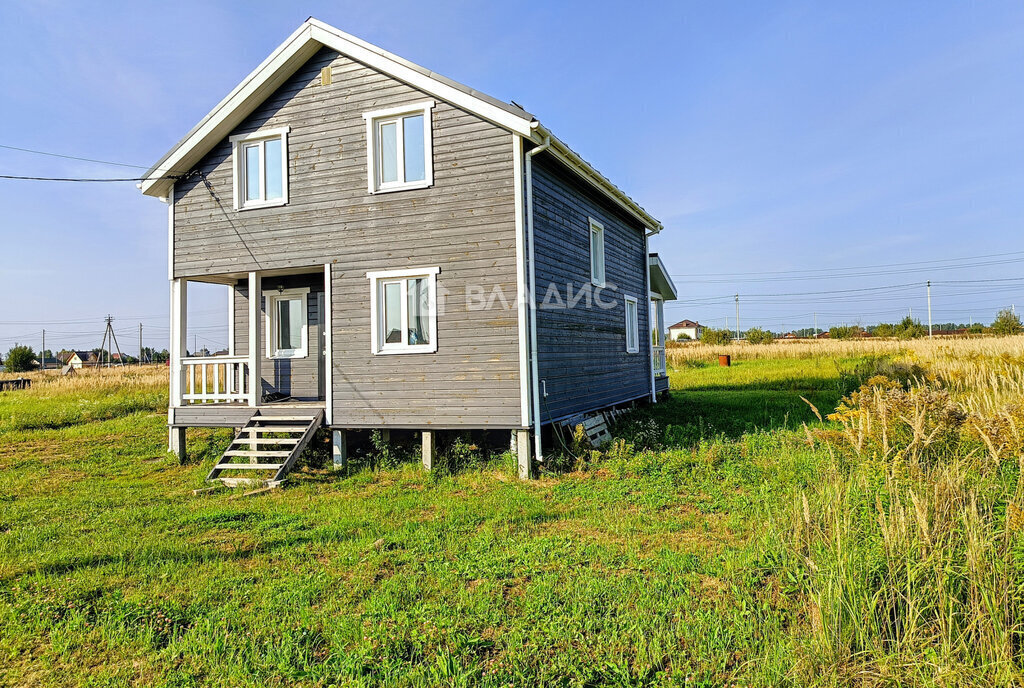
(662, 290)
(278, 331)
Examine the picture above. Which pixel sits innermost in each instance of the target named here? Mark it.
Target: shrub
(909, 329)
(683, 337)
(755, 335)
(716, 337)
(884, 330)
(844, 331)
(19, 359)
(1007, 322)
(888, 421)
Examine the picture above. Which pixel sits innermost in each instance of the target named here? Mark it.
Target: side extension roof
(304, 42)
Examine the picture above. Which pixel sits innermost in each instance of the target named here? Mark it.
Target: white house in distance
(689, 328)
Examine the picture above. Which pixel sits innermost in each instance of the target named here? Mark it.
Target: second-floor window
(399, 148)
(261, 168)
(596, 253)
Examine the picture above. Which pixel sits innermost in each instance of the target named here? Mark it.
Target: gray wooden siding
(464, 224)
(582, 350)
(295, 377)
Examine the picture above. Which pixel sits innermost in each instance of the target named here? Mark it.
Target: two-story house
(401, 251)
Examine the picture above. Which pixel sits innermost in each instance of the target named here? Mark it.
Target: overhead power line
(71, 179)
(831, 271)
(92, 160)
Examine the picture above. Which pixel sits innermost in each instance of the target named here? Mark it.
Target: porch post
(179, 337)
(179, 332)
(255, 321)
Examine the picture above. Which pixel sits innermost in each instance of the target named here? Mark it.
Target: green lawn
(649, 568)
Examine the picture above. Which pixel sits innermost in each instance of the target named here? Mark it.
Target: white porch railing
(660, 367)
(215, 379)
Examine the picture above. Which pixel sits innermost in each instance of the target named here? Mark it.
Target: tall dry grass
(55, 401)
(680, 354)
(911, 548)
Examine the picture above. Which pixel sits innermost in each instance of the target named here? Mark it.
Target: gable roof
(300, 47)
(685, 323)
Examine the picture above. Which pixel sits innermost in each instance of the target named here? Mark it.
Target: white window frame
(597, 274)
(377, 281)
(271, 324)
(634, 327)
(238, 144)
(374, 120)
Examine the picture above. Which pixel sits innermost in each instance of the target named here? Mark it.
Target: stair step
(275, 428)
(253, 443)
(275, 419)
(266, 440)
(248, 466)
(255, 452)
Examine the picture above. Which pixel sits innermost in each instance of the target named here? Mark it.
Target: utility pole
(815, 324)
(109, 342)
(195, 345)
(42, 353)
(929, 309)
(737, 316)
(140, 344)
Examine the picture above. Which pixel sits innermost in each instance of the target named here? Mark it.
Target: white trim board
(521, 294)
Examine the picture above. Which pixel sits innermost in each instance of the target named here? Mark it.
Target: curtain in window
(419, 311)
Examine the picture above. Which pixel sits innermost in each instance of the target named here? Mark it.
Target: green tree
(844, 331)
(755, 335)
(19, 359)
(910, 329)
(1007, 322)
(716, 337)
(884, 330)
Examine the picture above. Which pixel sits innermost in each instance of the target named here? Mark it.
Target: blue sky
(768, 137)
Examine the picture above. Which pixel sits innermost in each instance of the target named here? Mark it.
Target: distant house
(689, 328)
(76, 359)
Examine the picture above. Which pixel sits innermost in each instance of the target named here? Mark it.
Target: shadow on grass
(703, 414)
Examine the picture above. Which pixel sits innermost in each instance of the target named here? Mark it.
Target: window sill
(403, 187)
(406, 350)
(260, 206)
(600, 285)
(286, 357)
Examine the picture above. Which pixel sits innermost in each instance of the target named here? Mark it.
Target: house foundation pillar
(523, 451)
(429, 449)
(176, 444)
(339, 449)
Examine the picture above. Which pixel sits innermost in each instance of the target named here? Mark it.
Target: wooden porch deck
(231, 415)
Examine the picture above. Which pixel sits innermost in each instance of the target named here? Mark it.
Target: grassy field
(728, 537)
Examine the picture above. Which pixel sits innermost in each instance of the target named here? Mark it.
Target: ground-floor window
(403, 311)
